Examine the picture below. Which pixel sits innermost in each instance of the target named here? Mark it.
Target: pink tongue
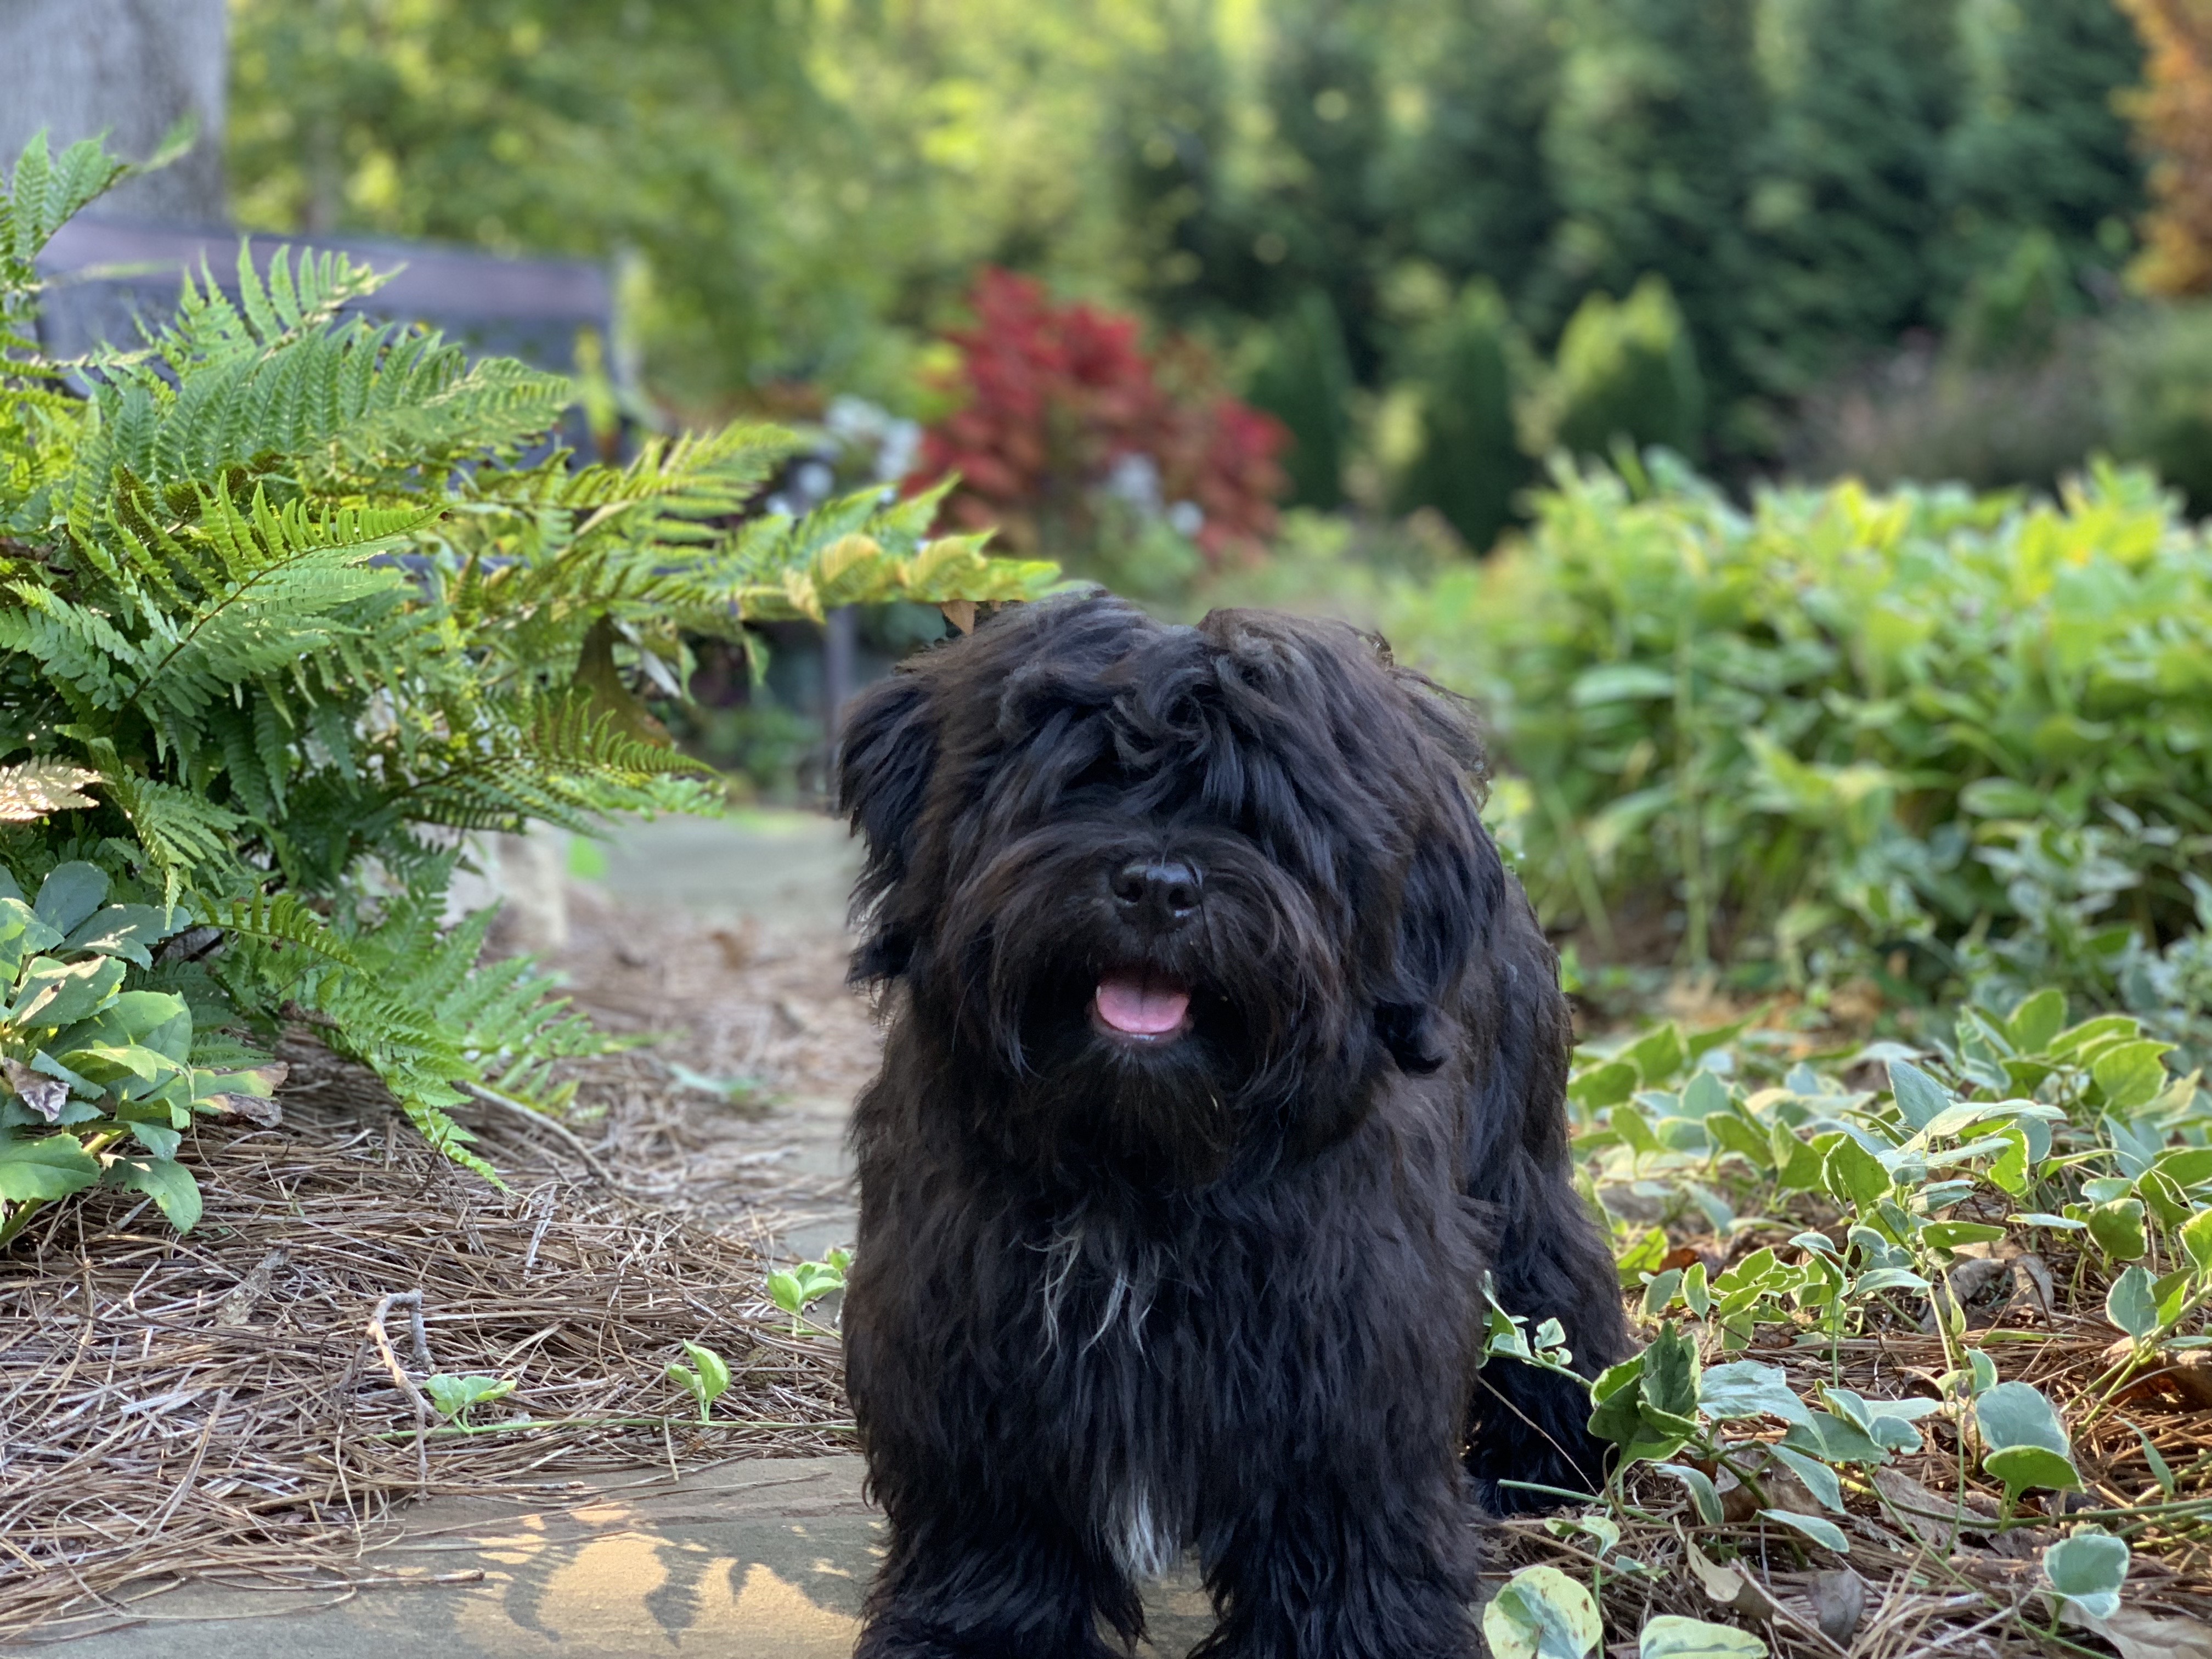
(1141, 1007)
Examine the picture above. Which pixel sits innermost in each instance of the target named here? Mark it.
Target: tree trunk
(129, 67)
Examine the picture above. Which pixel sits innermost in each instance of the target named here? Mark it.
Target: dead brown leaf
(2140, 1635)
(1839, 1603)
(44, 1095)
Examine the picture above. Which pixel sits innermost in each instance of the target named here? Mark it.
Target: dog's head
(1187, 891)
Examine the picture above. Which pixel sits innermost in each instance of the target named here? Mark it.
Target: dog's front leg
(1328, 1571)
(982, 1578)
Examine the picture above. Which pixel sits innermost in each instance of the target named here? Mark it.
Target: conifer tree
(1652, 144)
(1469, 464)
(2042, 144)
(1304, 382)
(1844, 210)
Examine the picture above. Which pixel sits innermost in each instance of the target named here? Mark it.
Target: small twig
(411, 1300)
(553, 1127)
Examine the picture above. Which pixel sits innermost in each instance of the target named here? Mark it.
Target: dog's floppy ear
(888, 751)
(1451, 888)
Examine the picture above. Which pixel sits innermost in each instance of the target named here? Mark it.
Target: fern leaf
(36, 788)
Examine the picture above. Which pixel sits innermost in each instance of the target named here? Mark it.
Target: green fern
(289, 597)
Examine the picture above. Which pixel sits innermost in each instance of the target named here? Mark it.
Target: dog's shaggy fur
(1224, 1059)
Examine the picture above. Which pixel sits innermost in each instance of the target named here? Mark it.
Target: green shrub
(1469, 465)
(1304, 380)
(1841, 724)
(1626, 371)
(294, 603)
(2158, 380)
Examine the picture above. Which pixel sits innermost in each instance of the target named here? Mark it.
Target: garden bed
(217, 1404)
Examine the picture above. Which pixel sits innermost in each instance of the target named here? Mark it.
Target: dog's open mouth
(1141, 1007)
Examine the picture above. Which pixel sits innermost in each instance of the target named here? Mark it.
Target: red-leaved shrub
(1054, 399)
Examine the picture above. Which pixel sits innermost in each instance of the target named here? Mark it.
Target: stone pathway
(758, 1559)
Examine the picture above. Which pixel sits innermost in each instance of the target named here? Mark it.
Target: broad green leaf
(1658, 1055)
(1798, 1163)
(1696, 1294)
(2018, 1414)
(1826, 1534)
(2163, 1199)
(2118, 1227)
(62, 993)
(1670, 1374)
(454, 1396)
(1820, 1480)
(1745, 1388)
(1832, 1440)
(1670, 1636)
(1541, 1613)
(2185, 1166)
(1919, 1097)
(2091, 1032)
(1703, 1095)
(713, 1370)
(1854, 1174)
(164, 1181)
(2028, 1445)
(2131, 1074)
(1888, 1279)
(1660, 1291)
(23, 935)
(1950, 1234)
(1598, 1087)
(2130, 1304)
(2023, 1468)
(53, 1166)
(1644, 1256)
(69, 893)
(2088, 1569)
(2196, 1236)
(129, 931)
(2037, 1020)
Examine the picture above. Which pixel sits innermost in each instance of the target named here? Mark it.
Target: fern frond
(36, 789)
(45, 194)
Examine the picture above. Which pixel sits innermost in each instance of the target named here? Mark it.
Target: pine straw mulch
(218, 1405)
(1933, 1574)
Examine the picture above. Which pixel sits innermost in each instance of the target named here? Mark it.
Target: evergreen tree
(2041, 144)
(1469, 464)
(1628, 372)
(1844, 210)
(1306, 381)
(1651, 145)
(1323, 226)
(1466, 184)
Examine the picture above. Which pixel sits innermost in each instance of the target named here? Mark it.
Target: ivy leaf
(2118, 1227)
(1826, 1534)
(2131, 1303)
(1670, 1636)
(2088, 1569)
(1541, 1613)
(1919, 1097)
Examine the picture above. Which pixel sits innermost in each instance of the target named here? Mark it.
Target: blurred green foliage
(1626, 373)
(1842, 724)
(801, 189)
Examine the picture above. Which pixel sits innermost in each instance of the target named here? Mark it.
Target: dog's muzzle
(1140, 1006)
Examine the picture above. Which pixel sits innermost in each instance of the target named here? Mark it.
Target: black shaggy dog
(1224, 1058)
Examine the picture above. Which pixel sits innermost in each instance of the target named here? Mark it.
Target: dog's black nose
(1162, 892)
